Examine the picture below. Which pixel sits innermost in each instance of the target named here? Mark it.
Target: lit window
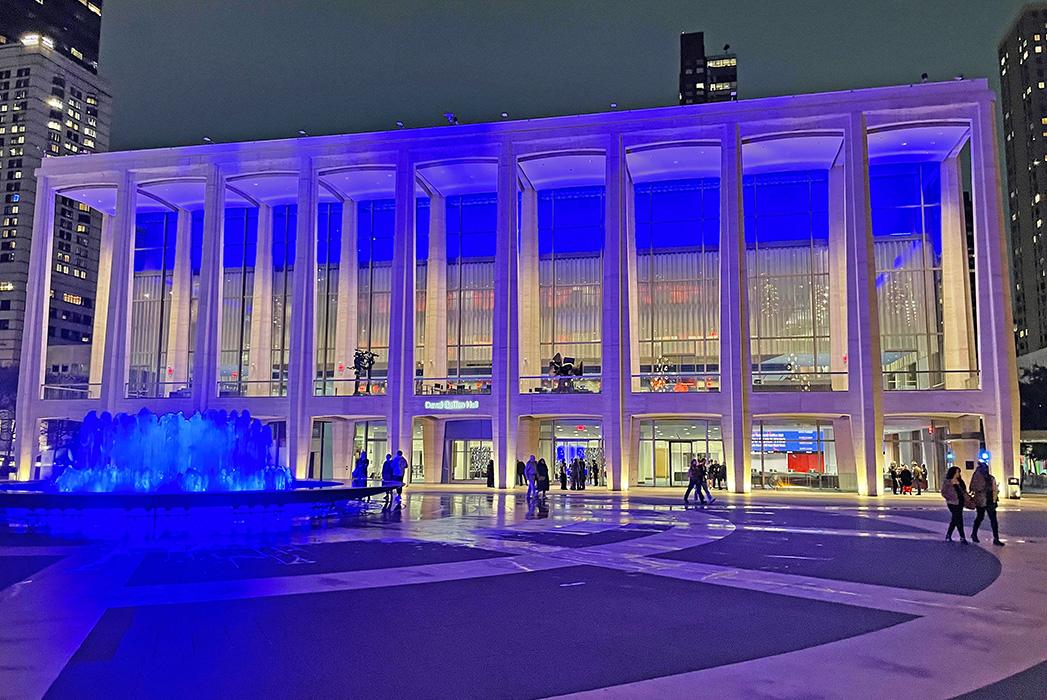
(76, 53)
(7, 286)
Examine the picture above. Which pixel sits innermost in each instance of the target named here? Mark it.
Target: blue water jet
(146, 453)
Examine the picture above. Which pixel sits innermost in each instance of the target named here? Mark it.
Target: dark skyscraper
(706, 78)
(73, 25)
(1023, 84)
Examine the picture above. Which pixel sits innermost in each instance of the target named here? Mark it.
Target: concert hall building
(804, 288)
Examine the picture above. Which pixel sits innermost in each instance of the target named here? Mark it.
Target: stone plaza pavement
(467, 592)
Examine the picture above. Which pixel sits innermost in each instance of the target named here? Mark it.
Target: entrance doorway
(562, 441)
(469, 459)
(668, 446)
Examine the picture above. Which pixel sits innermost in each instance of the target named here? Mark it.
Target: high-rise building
(72, 27)
(706, 78)
(1023, 84)
(51, 104)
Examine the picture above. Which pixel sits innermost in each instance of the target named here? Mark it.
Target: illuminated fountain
(170, 453)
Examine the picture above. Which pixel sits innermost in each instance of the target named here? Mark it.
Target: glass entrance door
(680, 455)
(469, 459)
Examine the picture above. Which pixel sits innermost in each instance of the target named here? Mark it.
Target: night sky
(257, 69)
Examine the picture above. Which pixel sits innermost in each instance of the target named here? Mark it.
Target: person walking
(892, 472)
(543, 477)
(360, 470)
(703, 474)
(531, 475)
(954, 491)
(693, 483)
(986, 492)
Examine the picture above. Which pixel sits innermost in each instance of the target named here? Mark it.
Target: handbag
(968, 501)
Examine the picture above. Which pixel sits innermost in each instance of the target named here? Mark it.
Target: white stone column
(735, 358)
(177, 374)
(838, 277)
(632, 291)
(956, 282)
(999, 372)
(101, 318)
(529, 299)
(615, 379)
(260, 354)
(433, 450)
(34, 336)
(346, 321)
(436, 290)
(505, 350)
(865, 373)
(118, 323)
(209, 303)
(302, 369)
(401, 322)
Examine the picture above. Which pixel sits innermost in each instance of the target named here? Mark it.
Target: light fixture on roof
(207, 139)
(399, 124)
(959, 77)
(505, 115)
(726, 48)
(301, 132)
(614, 105)
(923, 77)
(451, 119)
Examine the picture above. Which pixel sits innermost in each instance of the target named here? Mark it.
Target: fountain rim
(23, 495)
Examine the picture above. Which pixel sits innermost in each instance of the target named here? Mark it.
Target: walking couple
(697, 480)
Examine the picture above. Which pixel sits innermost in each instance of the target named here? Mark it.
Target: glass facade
(328, 253)
(668, 446)
(375, 227)
(677, 236)
(561, 441)
(787, 259)
(907, 233)
(154, 261)
(239, 253)
(472, 223)
(284, 231)
(793, 453)
(570, 270)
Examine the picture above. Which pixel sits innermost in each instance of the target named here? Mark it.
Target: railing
(809, 480)
(70, 390)
(679, 383)
(158, 390)
(585, 384)
(943, 379)
(252, 387)
(349, 386)
(786, 380)
(442, 386)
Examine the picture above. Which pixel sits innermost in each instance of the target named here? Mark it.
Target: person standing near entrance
(563, 475)
(542, 480)
(986, 492)
(917, 478)
(490, 473)
(400, 468)
(520, 481)
(531, 475)
(360, 470)
(892, 472)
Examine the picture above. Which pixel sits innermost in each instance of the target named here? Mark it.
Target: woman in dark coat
(543, 476)
(490, 473)
(954, 491)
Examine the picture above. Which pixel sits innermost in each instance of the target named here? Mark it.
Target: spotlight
(959, 77)
(451, 119)
(505, 115)
(399, 124)
(301, 132)
(614, 105)
(923, 77)
(207, 139)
